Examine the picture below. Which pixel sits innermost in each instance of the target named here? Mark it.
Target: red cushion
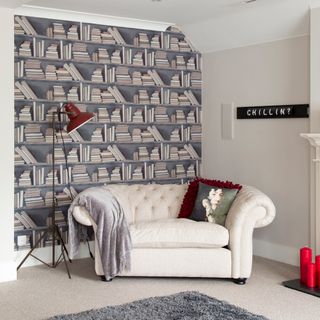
(191, 194)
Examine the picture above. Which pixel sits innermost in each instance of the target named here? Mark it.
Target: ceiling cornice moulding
(43, 12)
(315, 4)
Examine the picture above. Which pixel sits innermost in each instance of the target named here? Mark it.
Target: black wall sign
(269, 112)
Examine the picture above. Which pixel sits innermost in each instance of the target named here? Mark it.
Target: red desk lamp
(76, 120)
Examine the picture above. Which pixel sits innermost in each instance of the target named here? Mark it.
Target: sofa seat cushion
(178, 233)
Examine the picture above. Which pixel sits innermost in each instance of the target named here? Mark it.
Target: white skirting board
(8, 271)
(277, 252)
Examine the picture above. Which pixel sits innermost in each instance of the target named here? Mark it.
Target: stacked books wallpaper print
(144, 88)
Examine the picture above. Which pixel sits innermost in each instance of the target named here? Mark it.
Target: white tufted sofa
(166, 246)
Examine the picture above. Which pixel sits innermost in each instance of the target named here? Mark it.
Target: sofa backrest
(150, 201)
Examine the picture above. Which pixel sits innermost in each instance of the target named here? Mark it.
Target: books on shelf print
(23, 26)
(144, 89)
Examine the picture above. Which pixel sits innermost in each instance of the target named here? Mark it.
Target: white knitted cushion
(178, 233)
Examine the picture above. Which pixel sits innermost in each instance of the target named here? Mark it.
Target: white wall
(268, 153)
(7, 267)
(314, 70)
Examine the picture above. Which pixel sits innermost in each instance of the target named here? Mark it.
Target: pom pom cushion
(212, 204)
(191, 194)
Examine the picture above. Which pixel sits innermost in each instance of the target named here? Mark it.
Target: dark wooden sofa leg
(240, 281)
(103, 278)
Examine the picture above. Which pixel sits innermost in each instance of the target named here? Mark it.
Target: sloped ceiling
(211, 25)
(247, 24)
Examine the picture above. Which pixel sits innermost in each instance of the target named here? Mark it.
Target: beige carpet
(41, 292)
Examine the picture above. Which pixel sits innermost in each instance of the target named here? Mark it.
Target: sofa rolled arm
(251, 209)
(247, 199)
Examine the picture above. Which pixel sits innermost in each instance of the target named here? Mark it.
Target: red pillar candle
(305, 259)
(318, 270)
(311, 275)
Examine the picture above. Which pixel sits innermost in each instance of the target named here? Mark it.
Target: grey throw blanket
(112, 233)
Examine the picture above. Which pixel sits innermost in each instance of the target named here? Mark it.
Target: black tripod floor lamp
(76, 120)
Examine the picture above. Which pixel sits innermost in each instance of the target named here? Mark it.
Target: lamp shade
(76, 117)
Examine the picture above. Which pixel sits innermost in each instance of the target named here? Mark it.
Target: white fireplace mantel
(314, 140)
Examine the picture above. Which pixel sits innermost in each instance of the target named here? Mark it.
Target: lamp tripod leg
(30, 252)
(63, 243)
(63, 250)
(65, 261)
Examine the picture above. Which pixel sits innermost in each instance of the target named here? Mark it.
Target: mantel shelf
(313, 138)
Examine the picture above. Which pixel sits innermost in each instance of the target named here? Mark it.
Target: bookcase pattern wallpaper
(144, 88)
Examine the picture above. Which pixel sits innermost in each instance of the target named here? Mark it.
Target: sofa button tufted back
(150, 202)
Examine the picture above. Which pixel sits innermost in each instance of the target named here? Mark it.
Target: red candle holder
(318, 270)
(305, 260)
(311, 275)
(309, 281)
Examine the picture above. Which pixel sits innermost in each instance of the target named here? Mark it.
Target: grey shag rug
(189, 305)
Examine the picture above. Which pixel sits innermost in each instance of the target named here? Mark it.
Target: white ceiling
(211, 24)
